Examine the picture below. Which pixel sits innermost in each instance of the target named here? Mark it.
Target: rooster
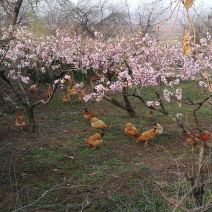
(96, 123)
(131, 130)
(147, 135)
(19, 121)
(95, 140)
(88, 114)
(49, 91)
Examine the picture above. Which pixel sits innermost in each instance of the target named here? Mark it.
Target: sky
(136, 2)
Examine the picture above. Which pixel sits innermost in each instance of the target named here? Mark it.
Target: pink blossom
(150, 103)
(203, 84)
(66, 76)
(157, 103)
(179, 94)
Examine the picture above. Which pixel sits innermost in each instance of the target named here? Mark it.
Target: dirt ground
(51, 169)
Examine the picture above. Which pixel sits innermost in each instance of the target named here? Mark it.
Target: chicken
(82, 94)
(147, 135)
(88, 114)
(206, 136)
(193, 139)
(70, 92)
(150, 115)
(19, 121)
(95, 140)
(159, 129)
(76, 89)
(97, 124)
(66, 98)
(33, 88)
(208, 142)
(131, 130)
(49, 91)
(73, 91)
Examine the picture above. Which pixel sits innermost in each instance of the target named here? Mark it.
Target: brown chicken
(33, 88)
(73, 91)
(70, 92)
(88, 114)
(19, 121)
(147, 135)
(95, 140)
(131, 130)
(66, 98)
(97, 124)
(149, 115)
(82, 94)
(49, 91)
(208, 134)
(193, 139)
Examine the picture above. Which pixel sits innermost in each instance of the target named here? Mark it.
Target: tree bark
(129, 107)
(16, 10)
(31, 120)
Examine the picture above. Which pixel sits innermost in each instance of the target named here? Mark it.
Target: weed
(144, 167)
(133, 181)
(111, 163)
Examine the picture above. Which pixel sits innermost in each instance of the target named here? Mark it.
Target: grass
(121, 176)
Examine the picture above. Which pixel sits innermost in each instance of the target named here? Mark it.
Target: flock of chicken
(73, 91)
(96, 139)
(194, 139)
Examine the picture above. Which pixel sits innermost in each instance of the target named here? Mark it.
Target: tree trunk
(16, 10)
(128, 105)
(31, 120)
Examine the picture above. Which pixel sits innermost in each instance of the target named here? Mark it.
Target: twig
(167, 18)
(46, 192)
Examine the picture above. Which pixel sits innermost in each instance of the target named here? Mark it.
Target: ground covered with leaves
(51, 169)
